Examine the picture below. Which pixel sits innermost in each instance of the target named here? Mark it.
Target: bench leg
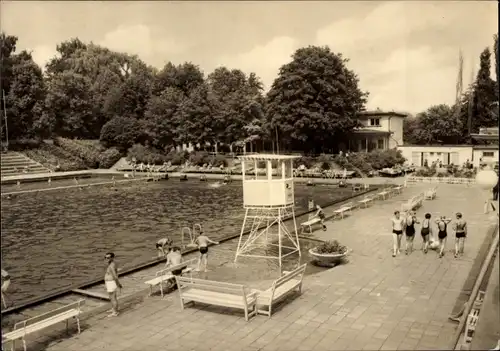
(24, 344)
(67, 326)
(78, 324)
(161, 289)
(150, 290)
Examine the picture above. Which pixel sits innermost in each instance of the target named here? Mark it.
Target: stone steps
(14, 163)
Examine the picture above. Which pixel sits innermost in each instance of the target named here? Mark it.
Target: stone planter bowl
(329, 259)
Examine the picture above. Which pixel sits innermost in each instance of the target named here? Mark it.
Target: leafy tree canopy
(315, 99)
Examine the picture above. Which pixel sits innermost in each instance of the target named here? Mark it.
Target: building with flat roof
(381, 130)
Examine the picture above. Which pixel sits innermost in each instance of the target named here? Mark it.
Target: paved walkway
(373, 302)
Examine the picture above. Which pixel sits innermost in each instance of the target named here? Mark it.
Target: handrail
(183, 231)
(475, 290)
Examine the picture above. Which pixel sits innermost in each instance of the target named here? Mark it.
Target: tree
(162, 117)
(410, 130)
(25, 99)
(122, 133)
(184, 77)
(485, 102)
(130, 99)
(439, 124)
(238, 102)
(197, 116)
(68, 104)
(314, 101)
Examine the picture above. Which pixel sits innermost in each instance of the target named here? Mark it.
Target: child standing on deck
(442, 224)
(203, 241)
(425, 231)
(411, 219)
(460, 228)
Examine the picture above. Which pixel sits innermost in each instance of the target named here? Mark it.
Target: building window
(380, 144)
(374, 121)
(488, 154)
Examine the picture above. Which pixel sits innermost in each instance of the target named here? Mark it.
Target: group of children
(165, 247)
(406, 224)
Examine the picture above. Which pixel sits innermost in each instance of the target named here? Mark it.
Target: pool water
(56, 239)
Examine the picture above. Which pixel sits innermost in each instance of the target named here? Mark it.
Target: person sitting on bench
(174, 258)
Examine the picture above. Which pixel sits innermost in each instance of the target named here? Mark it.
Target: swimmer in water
(162, 244)
(411, 219)
(397, 232)
(460, 228)
(202, 240)
(442, 224)
(5, 286)
(112, 283)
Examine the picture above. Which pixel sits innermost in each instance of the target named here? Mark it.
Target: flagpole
(5, 117)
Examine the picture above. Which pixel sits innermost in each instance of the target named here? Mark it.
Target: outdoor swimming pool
(56, 239)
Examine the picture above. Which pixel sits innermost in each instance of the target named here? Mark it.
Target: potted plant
(328, 254)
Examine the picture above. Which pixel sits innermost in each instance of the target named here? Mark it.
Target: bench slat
(19, 333)
(311, 221)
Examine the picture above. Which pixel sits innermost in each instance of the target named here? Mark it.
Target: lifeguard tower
(268, 199)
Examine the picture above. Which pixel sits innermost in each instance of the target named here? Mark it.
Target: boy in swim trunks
(442, 224)
(112, 283)
(203, 241)
(162, 244)
(460, 227)
(397, 231)
(321, 215)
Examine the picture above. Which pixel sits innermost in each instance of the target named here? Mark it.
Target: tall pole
(5, 117)
(277, 141)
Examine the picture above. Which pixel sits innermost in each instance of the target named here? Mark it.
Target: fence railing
(442, 180)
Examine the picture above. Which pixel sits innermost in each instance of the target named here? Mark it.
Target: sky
(405, 53)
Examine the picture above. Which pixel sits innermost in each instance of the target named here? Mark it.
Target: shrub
(199, 158)
(109, 157)
(219, 160)
(331, 247)
(121, 132)
(307, 161)
(425, 172)
(143, 154)
(24, 144)
(89, 155)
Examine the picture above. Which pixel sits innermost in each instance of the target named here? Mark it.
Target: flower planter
(327, 259)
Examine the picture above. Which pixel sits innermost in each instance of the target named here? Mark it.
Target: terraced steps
(15, 163)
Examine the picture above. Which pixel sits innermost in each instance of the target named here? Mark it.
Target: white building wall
(417, 155)
(487, 156)
(395, 125)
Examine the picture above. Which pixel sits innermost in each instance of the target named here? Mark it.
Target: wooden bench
(383, 194)
(309, 224)
(398, 189)
(217, 293)
(413, 203)
(35, 324)
(281, 288)
(366, 200)
(343, 209)
(166, 275)
(431, 193)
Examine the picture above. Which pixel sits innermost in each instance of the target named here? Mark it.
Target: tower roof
(264, 157)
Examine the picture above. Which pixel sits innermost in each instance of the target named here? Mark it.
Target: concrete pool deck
(373, 302)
